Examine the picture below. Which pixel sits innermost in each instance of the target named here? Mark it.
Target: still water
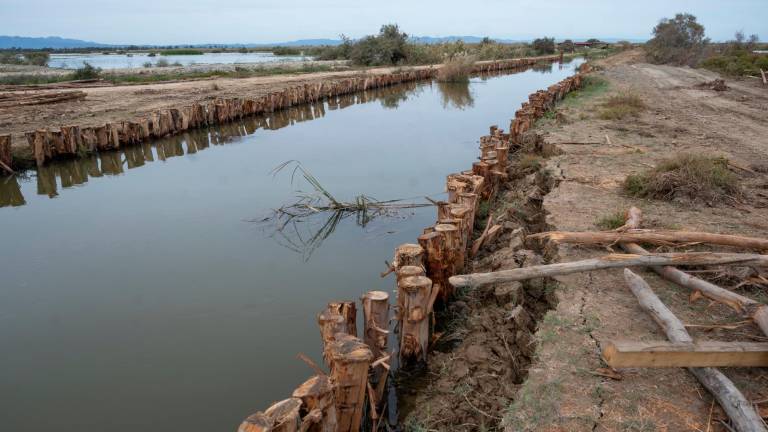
(137, 60)
(139, 295)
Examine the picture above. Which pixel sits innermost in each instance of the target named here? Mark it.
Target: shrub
(181, 51)
(86, 72)
(622, 105)
(736, 57)
(698, 178)
(611, 221)
(456, 69)
(152, 54)
(162, 63)
(679, 41)
(389, 47)
(37, 58)
(147, 64)
(568, 46)
(544, 45)
(285, 51)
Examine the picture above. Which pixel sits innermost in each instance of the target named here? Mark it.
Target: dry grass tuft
(698, 178)
(622, 105)
(456, 69)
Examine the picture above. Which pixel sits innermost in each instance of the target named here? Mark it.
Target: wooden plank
(623, 354)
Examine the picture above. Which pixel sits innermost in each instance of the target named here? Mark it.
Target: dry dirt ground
(117, 103)
(479, 382)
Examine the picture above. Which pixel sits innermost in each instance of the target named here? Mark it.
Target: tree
(567, 46)
(679, 40)
(544, 45)
(389, 47)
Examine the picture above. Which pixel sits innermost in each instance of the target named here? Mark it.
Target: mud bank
(356, 387)
(76, 139)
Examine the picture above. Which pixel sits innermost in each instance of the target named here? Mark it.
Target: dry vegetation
(688, 176)
(620, 106)
(456, 69)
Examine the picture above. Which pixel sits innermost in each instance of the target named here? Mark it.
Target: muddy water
(137, 293)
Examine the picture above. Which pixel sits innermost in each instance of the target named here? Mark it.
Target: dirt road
(565, 388)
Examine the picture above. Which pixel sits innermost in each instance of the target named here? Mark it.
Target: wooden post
(376, 316)
(316, 395)
(408, 255)
(347, 310)
(738, 408)
(414, 294)
(283, 416)
(350, 359)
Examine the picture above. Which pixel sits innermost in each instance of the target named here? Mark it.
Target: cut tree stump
(414, 295)
(738, 408)
(657, 237)
(606, 262)
(633, 354)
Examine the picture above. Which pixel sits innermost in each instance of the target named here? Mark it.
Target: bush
(147, 64)
(181, 51)
(286, 51)
(544, 45)
(736, 57)
(389, 47)
(620, 106)
(456, 69)
(162, 63)
(698, 178)
(152, 54)
(86, 72)
(37, 58)
(679, 41)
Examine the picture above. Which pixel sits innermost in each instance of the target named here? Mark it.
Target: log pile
(50, 144)
(358, 367)
(15, 99)
(698, 356)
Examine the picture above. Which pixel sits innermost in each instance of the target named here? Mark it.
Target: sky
(264, 21)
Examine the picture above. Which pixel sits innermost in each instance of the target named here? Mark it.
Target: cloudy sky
(257, 21)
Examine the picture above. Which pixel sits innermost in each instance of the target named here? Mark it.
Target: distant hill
(45, 42)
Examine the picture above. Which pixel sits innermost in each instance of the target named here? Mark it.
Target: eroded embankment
(496, 347)
(73, 140)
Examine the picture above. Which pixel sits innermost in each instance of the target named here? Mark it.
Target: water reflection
(456, 94)
(75, 172)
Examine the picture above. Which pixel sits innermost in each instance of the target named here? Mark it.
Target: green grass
(535, 407)
(592, 86)
(181, 51)
(620, 106)
(699, 178)
(611, 221)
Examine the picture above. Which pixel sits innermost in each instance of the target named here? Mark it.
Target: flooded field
(137, 60)
(140, 293)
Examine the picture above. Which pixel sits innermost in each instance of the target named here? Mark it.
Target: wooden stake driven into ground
(282, 416)
(606, 262)
(653, 237)
(316, 395)
(739, 410)
(757, 311)
(414, 295)
(350, 359)
(624, 354)
(376, 324)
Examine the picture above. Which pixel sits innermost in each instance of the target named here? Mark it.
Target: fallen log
(738, 408)
(757, 311)
(657, 237)
(632, 354)
(606, 262)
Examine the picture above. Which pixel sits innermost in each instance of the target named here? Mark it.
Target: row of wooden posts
(353, 392)
(75, 140)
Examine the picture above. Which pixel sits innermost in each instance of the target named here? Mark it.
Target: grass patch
(591, 86)
(620, 106)
(698, 178)
(529, 162)
(611, 221)
(536, 406)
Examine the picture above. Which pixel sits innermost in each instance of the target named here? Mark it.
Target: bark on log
(757, 311)
(332, 321)
(316, 394)
(408, 255)
(606, 262)
(413, 296)
(350, 358)
(656, 237)
(283, 416)
(739, 410)
(347, 310)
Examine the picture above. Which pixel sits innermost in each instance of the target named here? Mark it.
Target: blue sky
(257, 21)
